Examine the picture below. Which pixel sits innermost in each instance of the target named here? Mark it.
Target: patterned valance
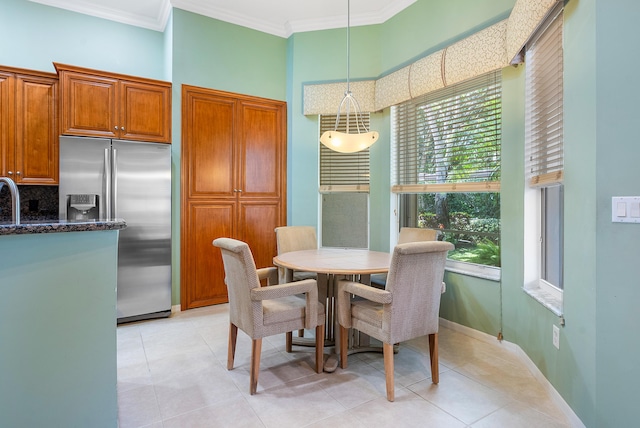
(487, 50)
(325, 98)
(525, 18)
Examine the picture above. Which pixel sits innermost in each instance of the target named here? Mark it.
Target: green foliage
(485, 253)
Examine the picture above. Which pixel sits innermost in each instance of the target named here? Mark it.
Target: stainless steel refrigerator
(106, 179)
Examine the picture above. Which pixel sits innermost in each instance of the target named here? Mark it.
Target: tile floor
(172, 373)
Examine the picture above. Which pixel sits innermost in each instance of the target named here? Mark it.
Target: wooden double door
(233, 184)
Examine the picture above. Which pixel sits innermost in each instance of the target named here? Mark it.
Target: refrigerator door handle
(107, 184)
(114, 185)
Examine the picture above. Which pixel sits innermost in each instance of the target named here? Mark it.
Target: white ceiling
(279, 17)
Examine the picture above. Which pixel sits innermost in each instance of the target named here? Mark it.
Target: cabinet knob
(115, 127)
(18, 173)
(10, 172)
(122, 128)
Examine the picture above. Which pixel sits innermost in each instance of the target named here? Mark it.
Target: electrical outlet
(556, 336)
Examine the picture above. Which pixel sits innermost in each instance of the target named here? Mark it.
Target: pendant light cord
(348, 42)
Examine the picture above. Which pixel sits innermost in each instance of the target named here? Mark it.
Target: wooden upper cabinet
(7, 122)
(36, 129)
(100, 104)
(28, 126)
(145, 111)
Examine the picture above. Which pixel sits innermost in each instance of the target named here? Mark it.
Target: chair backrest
(415, 280)
(296, 238)
(415, 234)
(240, 276)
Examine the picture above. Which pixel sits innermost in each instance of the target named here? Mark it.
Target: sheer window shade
(544, 116)
(343, 172)
(449, 140)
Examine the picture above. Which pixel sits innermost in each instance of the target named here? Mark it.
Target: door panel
(260, 150)
(145, 112)
(209, 157)
(7, 128)
(259, 221)
(202, 262)
(36, 130)
(90, 105)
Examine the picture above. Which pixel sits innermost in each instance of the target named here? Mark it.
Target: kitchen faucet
(15, 198)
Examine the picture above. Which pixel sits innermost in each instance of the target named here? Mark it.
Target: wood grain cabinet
(101, 104)
(28, 126)
(233, 184)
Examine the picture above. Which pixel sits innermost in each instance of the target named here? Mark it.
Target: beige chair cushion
(287, 309)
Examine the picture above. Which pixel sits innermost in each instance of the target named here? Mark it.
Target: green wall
(34, 36)
(616, 157)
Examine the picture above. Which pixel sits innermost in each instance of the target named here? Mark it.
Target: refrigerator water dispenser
(83, 207)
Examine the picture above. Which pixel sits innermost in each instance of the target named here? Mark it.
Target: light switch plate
(625, 209)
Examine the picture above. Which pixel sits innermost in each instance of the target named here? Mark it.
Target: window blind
(343, 172)
(544, 108)
(449, 140)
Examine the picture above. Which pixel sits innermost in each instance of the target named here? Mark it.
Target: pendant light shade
(360, 138)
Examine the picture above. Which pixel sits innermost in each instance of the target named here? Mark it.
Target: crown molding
(159, 21)
(156, 23)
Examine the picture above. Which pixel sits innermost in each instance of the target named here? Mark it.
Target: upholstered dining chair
(296, 238)
(407, 234)
(407, 308)
(266, 311)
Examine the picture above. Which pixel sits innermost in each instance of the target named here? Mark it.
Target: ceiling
(278, 17)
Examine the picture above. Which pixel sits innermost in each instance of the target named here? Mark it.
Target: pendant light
(361, 138)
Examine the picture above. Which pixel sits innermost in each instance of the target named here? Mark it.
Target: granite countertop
(53, 226)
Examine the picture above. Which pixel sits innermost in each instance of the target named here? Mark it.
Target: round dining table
(335, 261)
(330, 265)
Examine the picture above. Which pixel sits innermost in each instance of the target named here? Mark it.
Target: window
(551, 232)
(545, 164)
(344, 189)
(447, 168)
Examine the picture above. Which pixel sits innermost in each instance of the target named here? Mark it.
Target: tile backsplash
(36, 203)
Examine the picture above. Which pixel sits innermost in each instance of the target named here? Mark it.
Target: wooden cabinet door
(145, 111)
(89, 105)
(7, 127)
(261, 142)
(257, 224)
(36, 154)
(208, 169)
(202, 270)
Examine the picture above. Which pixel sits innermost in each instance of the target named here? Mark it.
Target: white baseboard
(574, 420)
(175, 309)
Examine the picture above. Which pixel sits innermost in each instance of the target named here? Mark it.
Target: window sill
(491, 273)
(547, 295)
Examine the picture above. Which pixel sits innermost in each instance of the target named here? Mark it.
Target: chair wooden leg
(433, 355)
(231, 352)
(289, 342)
(344, 344)
(387, 351)
(256, 349)
(301, 332)
(319, 348)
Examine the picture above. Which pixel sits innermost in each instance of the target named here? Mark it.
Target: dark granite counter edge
(60, 226)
